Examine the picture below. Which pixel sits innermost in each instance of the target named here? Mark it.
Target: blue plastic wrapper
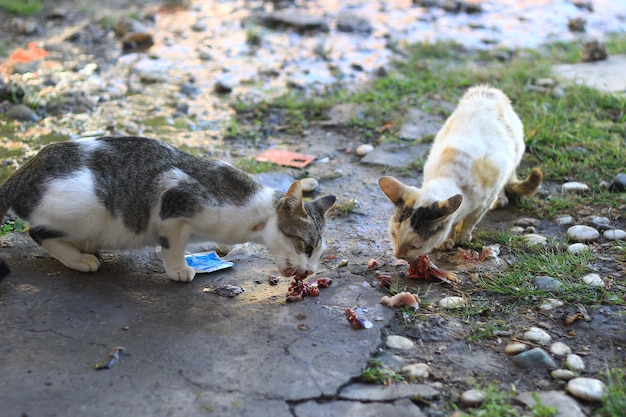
(205, 262)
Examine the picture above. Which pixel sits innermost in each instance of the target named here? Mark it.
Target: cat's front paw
(184, 274)
(446, 245)
(86, 262)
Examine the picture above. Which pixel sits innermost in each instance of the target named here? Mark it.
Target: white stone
(416, 370)
(574, 186)
(399, 342)
(564, 220)
(563, 374)
(535, 334)
(452, 302)
(309, 184)
(472, 397)
(514, 348)
(576, 248)
(574, 362)
(364, 149)
(535, 239)
(560, 349)
(614, 234)
(593, 280)
(550, 304)
(589, 389)
(518, 230)
(580, 233)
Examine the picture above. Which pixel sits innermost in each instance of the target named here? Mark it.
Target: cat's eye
(308, 250)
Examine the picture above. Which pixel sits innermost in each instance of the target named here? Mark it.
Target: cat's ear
(292, 201)
(393, 189)
(443, 208)
(323, 204)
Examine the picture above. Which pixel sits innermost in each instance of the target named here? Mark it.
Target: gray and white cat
(86, 195)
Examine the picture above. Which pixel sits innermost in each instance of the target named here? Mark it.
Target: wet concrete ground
(188, 351)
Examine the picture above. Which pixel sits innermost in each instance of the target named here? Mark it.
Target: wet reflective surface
(214, 53)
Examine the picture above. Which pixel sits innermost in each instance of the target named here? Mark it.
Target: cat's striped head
(295, 235)
(418, 224)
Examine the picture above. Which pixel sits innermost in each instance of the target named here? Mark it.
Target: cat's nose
(400, 253)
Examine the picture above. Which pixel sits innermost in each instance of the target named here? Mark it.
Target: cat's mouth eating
(287, 269)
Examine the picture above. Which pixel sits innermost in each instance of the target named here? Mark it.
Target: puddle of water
(284, 59)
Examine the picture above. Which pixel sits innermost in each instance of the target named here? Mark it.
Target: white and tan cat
(129, 192)
(470, 169)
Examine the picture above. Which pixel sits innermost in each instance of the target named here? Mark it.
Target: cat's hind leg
(52, 241)
(173, 237)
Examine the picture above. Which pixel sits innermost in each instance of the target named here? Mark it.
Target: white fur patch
(71, 205)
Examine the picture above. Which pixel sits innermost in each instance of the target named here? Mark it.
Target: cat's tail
(528, 186)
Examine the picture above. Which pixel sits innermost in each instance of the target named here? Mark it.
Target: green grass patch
(253, 166)
(516, 281)
(614, 402)
(21, 7)
(13, 226)
(376, 373)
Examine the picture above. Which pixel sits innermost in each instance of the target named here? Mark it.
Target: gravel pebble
(535, 239)
(580, 233)
(535, 334)
(574, 362)
(309, 184)
(563, 374)
(576, 248)
(416, 370)
(364, 149)
(589, 389)
(614, 234)
(565, 220)
(546, 283)
(550, 304)
(473, 397)
(534, 358)
(560, 349)
(593, 280)
(514, 348)
(619, 183)
(399, 342)
(574, 186)
(452, 302)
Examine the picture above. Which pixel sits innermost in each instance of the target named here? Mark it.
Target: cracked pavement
(186, 351)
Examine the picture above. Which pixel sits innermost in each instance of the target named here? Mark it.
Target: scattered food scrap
(356, 321)
(385, 280)
(401, 299)
(273, 280)
(372, 263)
(114, 355)
(423, 267)
(487, 253)
(299, 289)
(580, 314)
(229, 291)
